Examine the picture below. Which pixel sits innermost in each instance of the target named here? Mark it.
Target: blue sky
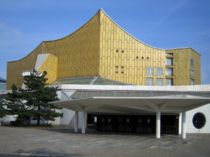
(161, 23)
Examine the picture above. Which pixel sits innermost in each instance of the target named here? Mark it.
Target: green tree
(32, 101)
(17, 105)
(3, 111)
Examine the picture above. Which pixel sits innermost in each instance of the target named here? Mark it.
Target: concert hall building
(110, 81)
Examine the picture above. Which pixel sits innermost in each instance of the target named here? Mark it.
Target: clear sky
(160, 23)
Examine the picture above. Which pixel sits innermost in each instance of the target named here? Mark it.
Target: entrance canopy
(133, 99)
(134, 104)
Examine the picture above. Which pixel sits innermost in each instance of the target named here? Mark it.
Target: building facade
(111, 81)
(102, 48)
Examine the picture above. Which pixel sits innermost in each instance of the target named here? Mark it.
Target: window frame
(171, 61)
(158, 72)
(159, 80)
(149, 71)
(151, 83)
(169, 73)
(172, 82)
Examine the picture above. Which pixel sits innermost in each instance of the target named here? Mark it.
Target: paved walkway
(63, 142)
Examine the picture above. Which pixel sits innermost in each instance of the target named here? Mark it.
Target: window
(169, 72)
(199, 120)
(159, 82)
(159, 71)
(169, 61)
(192, 81)
(149, 81)
(192, 62)
(169, 82)
(149, 71)
(192, 73)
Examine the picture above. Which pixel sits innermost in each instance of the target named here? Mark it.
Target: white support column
(158, 124)
(183, 125)
(84, 122)
(180, 123)
(76, 121)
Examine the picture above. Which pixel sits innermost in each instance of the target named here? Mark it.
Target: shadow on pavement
(40, 152)
(95, 132)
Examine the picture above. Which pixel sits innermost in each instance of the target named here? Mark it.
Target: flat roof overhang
(134, 105)
(188, 88)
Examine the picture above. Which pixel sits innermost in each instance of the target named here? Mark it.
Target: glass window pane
(169, 61)
(192, 82)
(159, 71)
(192, 73)
(169, 71)
(169, 82)
(149, 81)
(149, 71)
(159, 82)
(192, 62)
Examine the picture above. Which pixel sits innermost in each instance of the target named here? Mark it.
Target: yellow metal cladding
(124, 58)
(102, 48)
(50, 65)
(16, 68)
(78, 55)
(182, 66)
(197, 73)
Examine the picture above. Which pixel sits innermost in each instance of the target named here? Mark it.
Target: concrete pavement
(63, 142)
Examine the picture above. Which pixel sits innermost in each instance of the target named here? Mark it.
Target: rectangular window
(149, 81)
(169, 61)
(192, 82)
(159, 82)
(169, 82)
(192, 73)
(192, 62)
(159, 71)
(169, 72)
(149, 71)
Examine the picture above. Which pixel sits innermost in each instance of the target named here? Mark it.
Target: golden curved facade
(102, 48)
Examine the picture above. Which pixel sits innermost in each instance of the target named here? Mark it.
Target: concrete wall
(68, 119)
(206, 111)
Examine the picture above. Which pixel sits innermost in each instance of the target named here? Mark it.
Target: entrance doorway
(140, 124)
(169, 124)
